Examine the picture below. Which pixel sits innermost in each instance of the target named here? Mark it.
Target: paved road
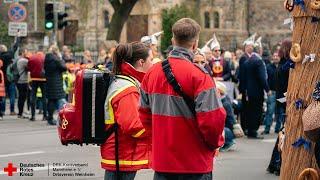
(27, 142)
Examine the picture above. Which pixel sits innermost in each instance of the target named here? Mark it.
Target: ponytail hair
(130, 53)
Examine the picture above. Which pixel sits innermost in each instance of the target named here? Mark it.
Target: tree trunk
(302, 81)
(96, 22)
(119, 17)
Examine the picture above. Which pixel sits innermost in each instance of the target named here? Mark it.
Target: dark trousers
(254, 115)
(54, 104)
(171, 176)
(34, 88)
(275, 162)
(29, 98)
(23, 91)
(2, 101)
(111, 175)
(243, 113)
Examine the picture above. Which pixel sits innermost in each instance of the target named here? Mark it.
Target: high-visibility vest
(68, 79)
(123, 82)
(2, 85)
(39, 93)
(139, 152)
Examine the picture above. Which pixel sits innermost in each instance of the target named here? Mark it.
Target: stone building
(231, 20)
(145, 18)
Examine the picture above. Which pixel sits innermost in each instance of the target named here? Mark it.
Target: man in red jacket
(184, 140)
(35, 66)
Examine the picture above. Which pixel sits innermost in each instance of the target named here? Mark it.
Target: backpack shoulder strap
(176, 86)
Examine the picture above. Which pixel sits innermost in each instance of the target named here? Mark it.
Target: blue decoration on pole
(299, 104)
(301, 141)
(315, 19)
(289, 64)
(316, 92)
(300, 3)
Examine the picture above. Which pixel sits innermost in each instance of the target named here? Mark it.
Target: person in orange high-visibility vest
(2, 88)
(127, 150)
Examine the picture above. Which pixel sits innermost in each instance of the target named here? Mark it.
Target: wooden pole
(302, 81)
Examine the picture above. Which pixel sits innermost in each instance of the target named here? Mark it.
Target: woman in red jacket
(130, 62)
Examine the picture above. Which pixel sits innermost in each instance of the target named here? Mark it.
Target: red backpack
(82, 121)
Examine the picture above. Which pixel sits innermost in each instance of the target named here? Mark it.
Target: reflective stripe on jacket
(122, 107)
(182, 143)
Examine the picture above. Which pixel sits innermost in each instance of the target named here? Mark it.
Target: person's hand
(269, 93)
(219, 78)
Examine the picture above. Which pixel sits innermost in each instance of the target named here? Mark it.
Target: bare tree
(121, 13)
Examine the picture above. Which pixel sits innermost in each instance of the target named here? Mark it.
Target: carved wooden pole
(302, 81)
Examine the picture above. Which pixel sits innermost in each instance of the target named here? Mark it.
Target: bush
(170, 16)
(4, 38)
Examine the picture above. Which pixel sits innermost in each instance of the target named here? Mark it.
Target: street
(35, 142)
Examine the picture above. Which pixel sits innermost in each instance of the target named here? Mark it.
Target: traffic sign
(17, 12)
(19, 29)
(46, 41)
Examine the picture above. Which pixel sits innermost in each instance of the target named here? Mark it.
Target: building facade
(231, 20)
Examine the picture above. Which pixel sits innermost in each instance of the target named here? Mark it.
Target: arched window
(106, 19)
(216, 20)
(206, 20)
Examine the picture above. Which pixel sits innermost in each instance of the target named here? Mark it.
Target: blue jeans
(229, 137)
(227, 105)
(271, 107)
(54, 104)
(11, 93)
(39, 104)
(280, 117)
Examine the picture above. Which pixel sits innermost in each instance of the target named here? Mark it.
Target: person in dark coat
(255, 85)
(7, 57)
(281, 85)
(54, 67)
(242, 81)
(271, 101)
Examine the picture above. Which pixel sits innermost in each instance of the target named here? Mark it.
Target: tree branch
(115, 4)
(119, 17)
(129, 3)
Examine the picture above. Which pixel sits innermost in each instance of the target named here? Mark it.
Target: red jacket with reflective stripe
(134, 143)
(180, 142)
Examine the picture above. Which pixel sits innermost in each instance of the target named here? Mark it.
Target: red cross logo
(10, 169)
